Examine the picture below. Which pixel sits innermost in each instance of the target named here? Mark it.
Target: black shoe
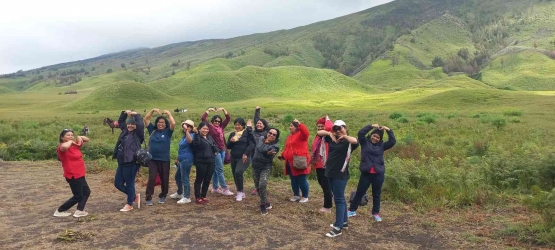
(334, 232)
(345, 225)
(263, 210)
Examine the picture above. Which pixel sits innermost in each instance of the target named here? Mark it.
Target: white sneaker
(240, 196)
(78, 214)
(303, 200)
(184, 200)
(61, 214)
(226, 192)
(176, 196)
(126, 208)
(295, 198)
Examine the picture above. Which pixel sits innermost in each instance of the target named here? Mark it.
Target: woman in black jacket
(372, 166)
(129, 142)
(241, 144)
(205, 149)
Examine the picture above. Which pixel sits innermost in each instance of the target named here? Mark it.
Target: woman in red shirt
(69, 153)
(319, 156)
(297, 145)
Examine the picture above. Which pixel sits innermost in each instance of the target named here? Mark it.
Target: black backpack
(363, 201)
(142, 156)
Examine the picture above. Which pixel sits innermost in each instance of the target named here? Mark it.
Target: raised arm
(303, 130)
(250, 141)
(227, 119)
(256, 114)
(65, 146)
(121, 120)
(81, 140)
(324, 133)
(170, 117)
(328, 126)
(391, 139)
(362, 133)
(188, 137)
(140, 126)
(149, 114)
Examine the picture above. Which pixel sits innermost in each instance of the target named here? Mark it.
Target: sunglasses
(272, 134)
(218, 121)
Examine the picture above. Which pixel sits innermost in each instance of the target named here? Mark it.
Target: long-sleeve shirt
(245, 144)
(217, 133)
(372, 154)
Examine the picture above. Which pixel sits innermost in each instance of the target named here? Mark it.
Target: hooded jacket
(372, 154)
(129, 142)
(245, 144)
(260, 133)
(204, 149)
(297, 145)
(261, 157)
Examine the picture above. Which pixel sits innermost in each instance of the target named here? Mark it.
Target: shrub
(499, 122)
(287, 118)
(395, 115)
(513, 113)
(402, 120)
(427, 118)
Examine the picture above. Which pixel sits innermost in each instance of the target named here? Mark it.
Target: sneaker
(200, 201)
(127, 208)
(263, 210)
(161, 200)
(295, 198)
(377, 217)
(138, 200)
(325, 210)
(268, 206)
(79, 213)
(149, 203)
(244, 195)
(254, 192)
(205, 200)
(351, 213)
(345, 225)
(184, 200)
(176, 196)
(61, 214)
(303, 200)
(240, 196)
(334, 232)
(226, 191)
(217, 190)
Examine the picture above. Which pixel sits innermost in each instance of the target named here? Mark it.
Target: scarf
(319, 151)
(238, 135)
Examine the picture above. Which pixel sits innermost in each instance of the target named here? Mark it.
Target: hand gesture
(375, 125)
(167, 112)
(257, 107)
(211, 110)
(79, 141)
(233, 139)
(340, 138)
(249, 123)
(385, 128)
(155, 110)
(272, 152)
(132, 113)
(245, 158)
(297, 121)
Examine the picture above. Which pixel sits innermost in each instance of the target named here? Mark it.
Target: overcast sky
(40, 33)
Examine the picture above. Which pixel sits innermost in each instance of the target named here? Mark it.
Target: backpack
(363, 201)
(142, 155)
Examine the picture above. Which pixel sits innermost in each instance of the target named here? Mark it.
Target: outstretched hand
(249, 123)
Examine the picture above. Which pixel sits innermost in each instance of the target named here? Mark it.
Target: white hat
(339, 123)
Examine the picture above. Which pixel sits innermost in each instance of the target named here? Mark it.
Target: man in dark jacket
(372, 166)
(129, 142)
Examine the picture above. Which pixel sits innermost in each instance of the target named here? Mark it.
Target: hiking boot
(161, 200)
(226, 191)
(176, 196)
(149, 203)
(351, 213)
(295, 198)
(61, 214)
(334, 232)
(303, 200)
(184, 200)
(126, 208)
(377, 217)
(79, 213)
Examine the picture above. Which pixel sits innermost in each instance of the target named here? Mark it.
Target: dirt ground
(32, 191)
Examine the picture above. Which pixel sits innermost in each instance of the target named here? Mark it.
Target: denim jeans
(299, 182)
(367, 179)
(125, 180)
(338, 189)
(182, 178)
(218, 176)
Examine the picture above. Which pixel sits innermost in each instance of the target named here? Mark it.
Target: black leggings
(324, 183)
(81, 193)
(204, 176)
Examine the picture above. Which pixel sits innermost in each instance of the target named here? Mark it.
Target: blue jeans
(298, 182)
(338, 189)
(125, 180)
(182, 178)
(218, 176)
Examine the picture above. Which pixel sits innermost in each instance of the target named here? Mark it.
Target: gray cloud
(41, 33)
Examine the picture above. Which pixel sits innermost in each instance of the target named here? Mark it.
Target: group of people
(252, 143)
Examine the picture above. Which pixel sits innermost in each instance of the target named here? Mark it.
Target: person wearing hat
(241, 144)
(296, 146)
(341, 145)
(185, 159)
(129, 142)
(318, 158)
(372, 166)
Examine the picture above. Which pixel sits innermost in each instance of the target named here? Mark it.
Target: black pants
(238, 169)
(367, 179)
(81, 193)
(324, 183)
(204, 176)
(154, 168)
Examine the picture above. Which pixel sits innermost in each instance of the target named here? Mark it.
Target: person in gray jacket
(265, 150)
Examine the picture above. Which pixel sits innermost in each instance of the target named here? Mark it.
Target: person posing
(185, 159)
(296, 145)
(372, 166)
(159, 148)
(204, 149)
(341, 145)
(318, 160)
(241, 144)
(69, 153)
(217, 127)
(265, 150)
(261, 128)
(129, 142)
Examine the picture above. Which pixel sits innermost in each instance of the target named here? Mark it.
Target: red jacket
(318, 161)
(297, 144)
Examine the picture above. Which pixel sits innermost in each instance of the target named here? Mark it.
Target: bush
(109, 71)
(427, 118)
(499, 122)
(395, 115)
(402, 120)
(288, 118)
(513, 113)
